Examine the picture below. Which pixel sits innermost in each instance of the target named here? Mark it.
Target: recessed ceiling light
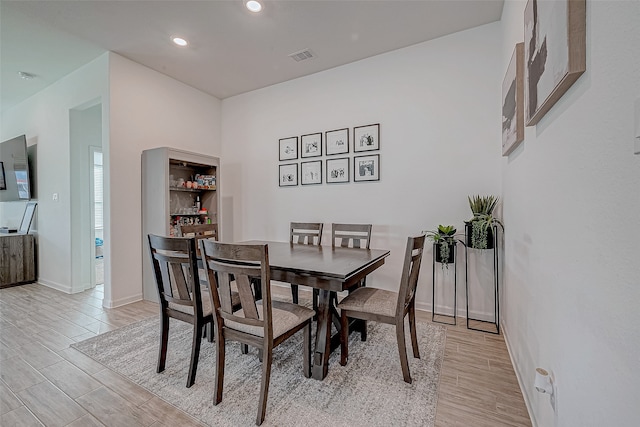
(179, 41)
(254, 6)
(26, 76)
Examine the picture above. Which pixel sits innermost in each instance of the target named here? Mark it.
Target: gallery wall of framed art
(348, 156)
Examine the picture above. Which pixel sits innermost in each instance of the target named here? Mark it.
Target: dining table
(328, 269)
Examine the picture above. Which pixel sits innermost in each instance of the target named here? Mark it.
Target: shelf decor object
(337, 170)
(288, 148)
(366, 168)
(366, 138)
(513, 102)
(554, 52)
(311, 172)
(311, 145)
(288, 175)
(337, 141)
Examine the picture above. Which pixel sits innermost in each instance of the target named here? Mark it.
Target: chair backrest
(351, 235)
(307, 233)
(200, 231)
(410, 272)
(226, 262)
(175, 266)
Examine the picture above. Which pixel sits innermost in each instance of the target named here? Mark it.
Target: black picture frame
(311, 145)
(338, 170)
(288, 148)
(288, 175)
(366, 168)
(366, 138)
(3, 182)
(311, 172)
(336, 142)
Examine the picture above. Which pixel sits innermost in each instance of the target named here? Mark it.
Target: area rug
(369, 391)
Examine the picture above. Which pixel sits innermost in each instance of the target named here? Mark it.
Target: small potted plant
(479, 229)
(443, 244)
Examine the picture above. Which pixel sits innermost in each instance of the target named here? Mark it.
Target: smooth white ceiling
(231, 50)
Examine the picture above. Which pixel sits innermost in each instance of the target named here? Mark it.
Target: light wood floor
(43, 381)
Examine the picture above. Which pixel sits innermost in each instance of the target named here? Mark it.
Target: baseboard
(505, 334)
(122, 301)
(54, 285)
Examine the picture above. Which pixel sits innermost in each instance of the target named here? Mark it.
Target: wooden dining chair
(385, 306)
(304, 233)
(176, 272)
(199, 231)
(262, 324)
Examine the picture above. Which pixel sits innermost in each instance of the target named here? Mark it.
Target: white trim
(57, 286)
(122, 301)
(520, 382)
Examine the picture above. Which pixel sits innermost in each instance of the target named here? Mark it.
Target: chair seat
(371, 300)
(206, 303)
(285, 316)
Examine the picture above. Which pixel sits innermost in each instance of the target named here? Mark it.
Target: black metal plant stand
(455, 289)
(496, 293)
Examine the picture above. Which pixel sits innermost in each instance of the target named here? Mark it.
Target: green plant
(482, 208)
(444, 238)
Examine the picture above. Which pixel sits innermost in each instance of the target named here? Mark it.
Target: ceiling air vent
(302, 55)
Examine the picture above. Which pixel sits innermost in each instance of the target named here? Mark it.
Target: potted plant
(443, 244)
(479, 229)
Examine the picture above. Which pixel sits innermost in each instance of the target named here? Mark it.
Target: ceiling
(231, 50)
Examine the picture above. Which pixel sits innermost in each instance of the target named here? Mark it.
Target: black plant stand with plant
(493, 246)
(450, 260)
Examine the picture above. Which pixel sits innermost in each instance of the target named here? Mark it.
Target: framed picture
(337, 141)
(289, 148)
(3, 183)
(366, 168)
(288, 175)
(513, 102)
(311, 145)
(554, 52)
(366, 138)
(337, 170)
(311, 172)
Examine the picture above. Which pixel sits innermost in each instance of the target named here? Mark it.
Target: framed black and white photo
(288, 175)
(289, 148)
(311, 172)
(337, 170)
(311, 145)
(3, 183)
(337, 141)
(513, 102)
(366, 138)
(366, 168)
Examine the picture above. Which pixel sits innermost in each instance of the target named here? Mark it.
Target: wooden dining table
(328, 269)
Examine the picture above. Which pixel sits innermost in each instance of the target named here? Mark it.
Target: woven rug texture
(369, 391)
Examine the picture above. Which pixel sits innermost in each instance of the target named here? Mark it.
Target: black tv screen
(14, 170)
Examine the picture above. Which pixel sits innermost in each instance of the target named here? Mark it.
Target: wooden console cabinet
(17, 259)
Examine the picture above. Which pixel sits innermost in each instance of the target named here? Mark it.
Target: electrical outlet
(55, 197)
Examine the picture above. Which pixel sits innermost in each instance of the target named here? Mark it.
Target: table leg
(323, 337)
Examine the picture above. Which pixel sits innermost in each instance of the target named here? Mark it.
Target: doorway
(97, 222)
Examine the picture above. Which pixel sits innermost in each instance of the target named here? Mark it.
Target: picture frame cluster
(341, 167)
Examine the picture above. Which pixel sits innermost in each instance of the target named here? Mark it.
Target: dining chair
(199, 231)
(385, 306)
(262, 324)
(304, 233)
(176, 272)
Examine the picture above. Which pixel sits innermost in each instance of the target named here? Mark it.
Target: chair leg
(344, 338)
(195, 353)
(306, 359)
(294, 293)
(164, 338)
(264, 387)
(244, 348)
(412, 329)
(219, 376)
(402, 349)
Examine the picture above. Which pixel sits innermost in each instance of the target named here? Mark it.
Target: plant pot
(452, 254)
(468, 231)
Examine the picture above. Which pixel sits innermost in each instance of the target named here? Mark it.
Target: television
(14, 170)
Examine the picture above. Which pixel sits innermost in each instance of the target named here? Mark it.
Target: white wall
(571, 206)
(44, 119)
(148, 110)
(438, 105)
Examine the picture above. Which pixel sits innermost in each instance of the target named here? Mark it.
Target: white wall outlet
(55, 197)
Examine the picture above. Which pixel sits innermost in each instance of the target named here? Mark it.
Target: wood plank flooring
(43, 381)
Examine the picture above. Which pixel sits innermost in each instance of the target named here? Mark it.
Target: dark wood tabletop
(329, 269)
